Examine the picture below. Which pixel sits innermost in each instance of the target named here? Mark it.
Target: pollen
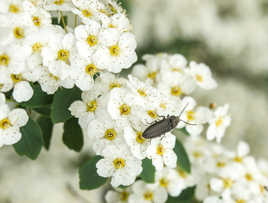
(4, 60)
(182, 173)
(163, 182)
(91, 69)
(36, 21)
(142, 92)
(240, 201)
(227, 183)
(220, 164)
(176, 69)
(152, 114)
(148, 195)
(175, 91)
(114, 50)
(92, 106)
(92, 40)
(16, 78)
(139, 137)
(163, 106)
(212, 105)
(87, 13)
(18, 32)
(190, 115)
(219, 122)
(238, 159)
(124, 110)
(249, 177)
(160, 150)
(13, 8)
(114, 85)
(197, 154)
(58, 2)
(262, 188)
(199, 78)
(54, 77)
(63, 55)
(5, 123)
(110, 134)
(124, 196)
(37, 47)
(152, 75)
(119, 163)
(1, 86)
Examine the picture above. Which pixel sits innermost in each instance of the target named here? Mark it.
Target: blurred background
(229, 36)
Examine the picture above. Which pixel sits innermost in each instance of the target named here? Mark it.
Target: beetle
(159, 128)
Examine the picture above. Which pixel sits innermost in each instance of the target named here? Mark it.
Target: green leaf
(55, 21)
(186, 196)
(180, 131)
(183, 160)
(46, 126)
(148, 171)
(31, 142)
(72, 135)
(44, 111)
(88, 177)
(39, 98)
(63, 98)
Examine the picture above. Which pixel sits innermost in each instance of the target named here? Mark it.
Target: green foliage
(73, 135)
(46, 126)
(89, 179)
(148, 171)
(31, 142)
(63, 98)
(183, 160)
(44, 111)
(180, 131)
(186, 196)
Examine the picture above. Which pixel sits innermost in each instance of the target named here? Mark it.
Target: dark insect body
(161, 127)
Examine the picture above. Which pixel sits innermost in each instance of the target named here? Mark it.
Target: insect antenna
(184, 108)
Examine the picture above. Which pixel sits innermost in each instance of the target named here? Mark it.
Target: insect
(163, 126)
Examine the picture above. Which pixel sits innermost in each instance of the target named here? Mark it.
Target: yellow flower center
(91, 106)
(5, 123)
(87, 13)
(152, 75)
(163, 106)
(199, 78)
(91, 69)
(219, 122)
(4, 60)
(110, 134)
(182, 173)
(115, 85)
(240, 201)
(190, 115)
(142, 92)
(152, 114)
(238, 159)
(58, 2)
(63, 55)
(249, 177)
(163, 182)
(175, 91)
(262, 188)
(148, 195)
(92, 40)
(18, 32)
(53, 76)
(111, 25)
(115, 50)
(16, 78)
(124, 196)
(176, 69)
(227, 183)
(139, 137)
(13, 8)
(119, 163)
(1, 86)
(220, 164)
(124, 110)
(197, 154)
(37, 47)
(160, 150)
(36, 20)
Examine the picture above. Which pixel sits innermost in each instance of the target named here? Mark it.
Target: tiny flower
(118, 196)
(22, 91)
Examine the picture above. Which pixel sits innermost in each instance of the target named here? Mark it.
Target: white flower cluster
(220, 176)
(117, 111)
(32, 49)
(10, 122)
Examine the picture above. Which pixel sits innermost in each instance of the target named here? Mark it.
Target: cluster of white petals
(32, 49)
(11, 120)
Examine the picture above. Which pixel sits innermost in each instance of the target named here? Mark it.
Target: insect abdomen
(157, 129)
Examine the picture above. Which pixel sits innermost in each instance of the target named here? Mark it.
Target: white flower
(118, 196)
(117, 51)
(10, 123)
(202, 75)
(119, 164)
(62, 5)
(218, 124)
(161, 152)
(147, 193)
(22, 91)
